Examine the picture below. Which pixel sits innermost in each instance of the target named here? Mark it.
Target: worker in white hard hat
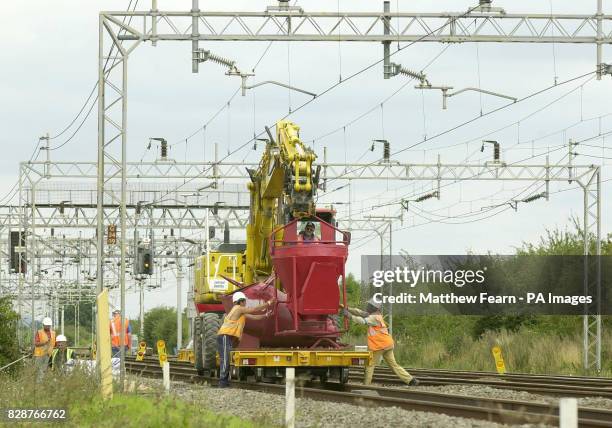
(61, 355)
(115, 332)
(380, 341)
(44, 342)
(230, 332)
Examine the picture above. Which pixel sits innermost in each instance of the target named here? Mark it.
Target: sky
(49, 66)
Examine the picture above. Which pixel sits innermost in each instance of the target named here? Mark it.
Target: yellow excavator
(282, 188)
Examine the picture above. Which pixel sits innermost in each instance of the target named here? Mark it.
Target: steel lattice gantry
(122, 32)
(181, 206)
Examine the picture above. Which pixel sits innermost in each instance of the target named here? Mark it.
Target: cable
(556, 148)
(115, 60)
(77, 130)
(523, 119)
(450, 183)
(203, 128)
(333, 86)
(505, 207)
(13, 189)
(368, 67)
(329, 89)
(78, 114)
(505, 203)
(467, 122)
(384, 101)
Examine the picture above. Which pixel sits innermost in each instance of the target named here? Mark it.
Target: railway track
(490, 409)
(575, 386)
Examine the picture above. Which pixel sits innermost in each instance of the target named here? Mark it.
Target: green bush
(78, 393)
(160, 323)
(9, 348)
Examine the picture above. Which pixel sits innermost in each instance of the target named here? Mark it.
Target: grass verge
(78, 393)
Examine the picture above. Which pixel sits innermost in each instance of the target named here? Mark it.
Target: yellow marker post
(142, 349)
(161, 352)
(499, 360)
(104, 345)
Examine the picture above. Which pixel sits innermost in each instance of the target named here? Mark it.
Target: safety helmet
(310, 224)
(237, 296)
(47, 321)
(116, 311)
(374, 304)
(61, 338)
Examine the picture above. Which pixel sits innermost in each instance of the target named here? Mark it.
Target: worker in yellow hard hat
(380, 341)
(44, 342)
(230, 332)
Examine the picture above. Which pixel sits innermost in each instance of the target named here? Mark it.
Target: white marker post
(166, 372)
(568, 413)
(289, 397)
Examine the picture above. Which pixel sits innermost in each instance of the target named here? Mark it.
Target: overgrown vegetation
(78, 393)
(532, 344)
(9, 348)
(160, 323)
(84, 318)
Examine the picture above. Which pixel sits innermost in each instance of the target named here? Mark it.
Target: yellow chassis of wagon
(300, 358)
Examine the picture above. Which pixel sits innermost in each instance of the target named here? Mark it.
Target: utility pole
(179, 291)
(179, 312)
(141, 331)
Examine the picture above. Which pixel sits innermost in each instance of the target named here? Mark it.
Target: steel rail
(490, 409)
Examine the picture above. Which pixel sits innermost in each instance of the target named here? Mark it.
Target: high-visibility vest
(232, 327)
(115, 327)
(40, 351)
(69, 354)
(378, 336)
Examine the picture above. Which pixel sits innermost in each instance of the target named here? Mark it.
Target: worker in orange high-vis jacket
(44, 342)
(115, 331)
(230, 332)
(380, 341)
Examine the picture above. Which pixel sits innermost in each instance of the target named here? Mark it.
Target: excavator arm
(283, 187)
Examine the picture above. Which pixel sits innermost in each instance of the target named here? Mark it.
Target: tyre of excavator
(205, 342)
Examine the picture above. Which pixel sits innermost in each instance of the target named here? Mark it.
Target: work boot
(413, 382)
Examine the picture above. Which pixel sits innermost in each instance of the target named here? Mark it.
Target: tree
(160, 323)
(9, 348)
(554, 242)
(85, 314)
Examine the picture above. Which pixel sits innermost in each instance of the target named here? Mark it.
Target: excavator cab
(314, 229)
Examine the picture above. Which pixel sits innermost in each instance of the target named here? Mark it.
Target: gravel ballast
(509, 394)
(268, 409)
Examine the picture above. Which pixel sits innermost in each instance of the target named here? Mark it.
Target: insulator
(496, 152)
(386, 151)
(534, 197)
(164, 149)
(413, 74)
(226, 233)
(218, 59)
(425, 197)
